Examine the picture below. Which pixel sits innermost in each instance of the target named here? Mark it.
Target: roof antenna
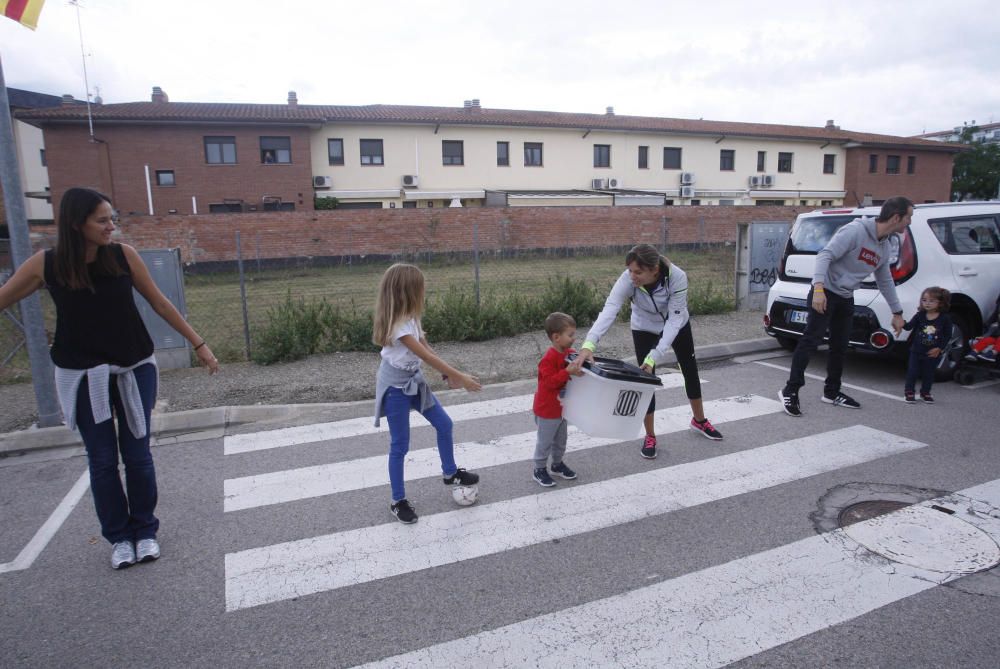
(83, 57)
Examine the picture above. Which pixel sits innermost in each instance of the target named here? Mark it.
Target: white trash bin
(610, 399)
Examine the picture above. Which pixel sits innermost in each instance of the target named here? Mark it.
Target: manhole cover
(856, 513)
(928, 538)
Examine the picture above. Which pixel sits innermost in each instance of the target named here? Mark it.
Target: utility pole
(42, 377)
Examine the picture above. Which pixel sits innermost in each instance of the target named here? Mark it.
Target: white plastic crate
(610, 399)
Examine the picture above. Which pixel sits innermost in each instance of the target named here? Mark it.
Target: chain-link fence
(230, 303)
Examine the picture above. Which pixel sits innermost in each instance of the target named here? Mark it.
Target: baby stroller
(983, 358)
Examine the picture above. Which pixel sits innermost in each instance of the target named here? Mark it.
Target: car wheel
(787, 343)
(957, 347)
(964, 377)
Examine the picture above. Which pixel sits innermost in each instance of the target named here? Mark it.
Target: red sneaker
(648, 450)
(707, 429)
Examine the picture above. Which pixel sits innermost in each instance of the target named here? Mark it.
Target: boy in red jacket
(552, 378)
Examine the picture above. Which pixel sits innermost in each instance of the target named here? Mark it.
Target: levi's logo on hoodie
(868, 256)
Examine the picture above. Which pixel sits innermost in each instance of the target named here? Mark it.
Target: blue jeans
(397, 408)
(125, 513)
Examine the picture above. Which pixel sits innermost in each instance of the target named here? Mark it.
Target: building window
(784, 162)
(770, 203)
(727, 160)
(892, 164)
(533, 154)
(452, 152)
(695, 203)
(602, 155)
(220, 150)
(671, 158)
(226, 208)
(371, 152)
(911, 164)
(276, 150)
(643, 157)
(761, 160)
(41, 154)
(165, 178)
(829, 159)
(826, 203)
(872, 163)
(503, 154)
(335, 151)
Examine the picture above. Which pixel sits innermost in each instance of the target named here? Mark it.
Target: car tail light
(837, 211)
(767, 320)
(906, 265)
(880, 339)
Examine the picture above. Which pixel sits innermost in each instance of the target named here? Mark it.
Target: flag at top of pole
(24, 12)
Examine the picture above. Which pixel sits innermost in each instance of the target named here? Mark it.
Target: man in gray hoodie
(860, 248)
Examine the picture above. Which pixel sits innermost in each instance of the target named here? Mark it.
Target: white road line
(898, 397)
(353, 427)
(708, 618)
(317, 564)
(306, 482)
(49, 528)
(982, 384)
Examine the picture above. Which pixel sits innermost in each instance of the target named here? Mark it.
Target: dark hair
(556, 322)
(942, 295)
(893, 206)
(645, 255)
(76, 206)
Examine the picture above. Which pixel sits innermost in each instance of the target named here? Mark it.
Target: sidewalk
(215, 422)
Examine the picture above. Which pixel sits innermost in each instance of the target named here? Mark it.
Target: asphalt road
(279, 550)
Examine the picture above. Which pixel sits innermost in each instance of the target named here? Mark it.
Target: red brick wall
(930, 182)
(116, 165)
(211, 238)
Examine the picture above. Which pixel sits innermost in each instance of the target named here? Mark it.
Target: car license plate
(796, 316)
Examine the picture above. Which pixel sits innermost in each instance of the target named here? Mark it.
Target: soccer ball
(465, 495)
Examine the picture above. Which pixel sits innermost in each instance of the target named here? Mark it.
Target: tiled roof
(21, 99)
(948, 133)
(311, 114)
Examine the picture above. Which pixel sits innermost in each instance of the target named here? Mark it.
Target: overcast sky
(882, 66)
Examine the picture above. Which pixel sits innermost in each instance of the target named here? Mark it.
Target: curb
(199, 424)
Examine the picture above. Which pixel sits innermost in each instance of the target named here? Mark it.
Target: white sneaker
(122, 555)
(147, 549)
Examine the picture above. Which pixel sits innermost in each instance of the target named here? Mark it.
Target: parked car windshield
(809, 235)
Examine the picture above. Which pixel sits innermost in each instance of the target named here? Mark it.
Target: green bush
(321, 203)
(297, 328)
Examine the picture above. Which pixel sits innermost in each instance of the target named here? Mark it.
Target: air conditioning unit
(322, 182)
(614, 182)
(755, 181)
(767, 180)
(410, 181)
(598, 184)
(687, 178)
(687, 191)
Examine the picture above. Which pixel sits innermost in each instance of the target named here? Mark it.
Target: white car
(954, 245)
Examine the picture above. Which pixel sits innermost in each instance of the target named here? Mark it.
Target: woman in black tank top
(104, 362)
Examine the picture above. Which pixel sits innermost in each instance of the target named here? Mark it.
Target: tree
(976, 174)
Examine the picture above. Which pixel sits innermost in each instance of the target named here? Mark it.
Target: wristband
(589, 345)
(817, 290)
(649, 361)
(199, 345)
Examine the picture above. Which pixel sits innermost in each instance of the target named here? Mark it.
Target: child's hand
(933, 353)
(574, 371)
(466, 381)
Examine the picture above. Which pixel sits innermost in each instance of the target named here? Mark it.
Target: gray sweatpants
(551, 441)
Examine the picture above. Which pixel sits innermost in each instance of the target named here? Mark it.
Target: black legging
(683, 347)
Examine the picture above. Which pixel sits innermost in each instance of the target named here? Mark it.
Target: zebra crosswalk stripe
(322, 563)
(354, 427)
(712, 617)
(327, 479)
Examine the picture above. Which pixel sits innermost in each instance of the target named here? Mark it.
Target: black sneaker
(404, 512)
(908, 397)
(541, 475)
(563, 471)
(648, 449)
(790, 402)
(461, 477)
(927, 397)
(841, 400)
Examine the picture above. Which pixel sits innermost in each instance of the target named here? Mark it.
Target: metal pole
(42, 373)
(243, 295)
(475, 256)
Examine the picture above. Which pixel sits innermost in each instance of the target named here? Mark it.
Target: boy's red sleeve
(552, 372)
